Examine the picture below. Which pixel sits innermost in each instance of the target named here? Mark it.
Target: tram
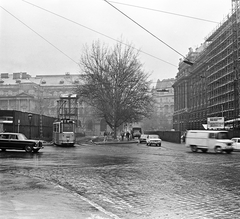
(64, 133)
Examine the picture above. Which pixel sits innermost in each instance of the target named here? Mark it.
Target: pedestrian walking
(122, 135)
(105, 135)
(127, 135)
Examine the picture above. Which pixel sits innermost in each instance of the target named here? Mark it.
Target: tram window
(56, 127)
(68, 127)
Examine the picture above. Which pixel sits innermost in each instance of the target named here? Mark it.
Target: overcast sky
(38, 42)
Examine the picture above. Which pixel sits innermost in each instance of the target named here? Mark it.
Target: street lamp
(30, 122)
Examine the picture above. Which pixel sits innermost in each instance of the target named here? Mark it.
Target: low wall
(170, 136)
(234, 133)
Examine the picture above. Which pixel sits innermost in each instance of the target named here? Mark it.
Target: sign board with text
(215, 122)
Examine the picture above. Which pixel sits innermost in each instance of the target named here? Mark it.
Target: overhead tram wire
(98, 32)
(145, 29)
(39, 35)
(166, 12)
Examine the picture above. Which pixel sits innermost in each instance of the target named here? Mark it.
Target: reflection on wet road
(135, 181)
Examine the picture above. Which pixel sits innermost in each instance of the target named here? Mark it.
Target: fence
(170, 136)
(39, 127)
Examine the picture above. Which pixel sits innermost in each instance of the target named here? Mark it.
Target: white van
(207, 140)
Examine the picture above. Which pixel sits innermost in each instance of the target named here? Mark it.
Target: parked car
(143, 139)
(19, 141)
(153, 139)
(236, 144)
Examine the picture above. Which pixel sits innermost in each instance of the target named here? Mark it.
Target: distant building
(163, 95)
(20, 91)
(40, 94)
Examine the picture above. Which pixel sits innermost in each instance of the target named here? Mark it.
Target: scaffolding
(213, 79)
(236, 57)
(68, 107)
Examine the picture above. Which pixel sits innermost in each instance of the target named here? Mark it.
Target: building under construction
(207, 83)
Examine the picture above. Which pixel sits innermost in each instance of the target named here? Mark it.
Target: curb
(115, 142)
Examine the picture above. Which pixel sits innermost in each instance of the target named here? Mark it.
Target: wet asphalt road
(136, 181)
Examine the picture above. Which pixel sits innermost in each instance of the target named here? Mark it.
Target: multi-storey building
(41, 94)
(207, 84)
(164, 103)
(19, 91)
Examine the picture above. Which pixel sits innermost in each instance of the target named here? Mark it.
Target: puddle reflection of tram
(64, 129)
(64, 133)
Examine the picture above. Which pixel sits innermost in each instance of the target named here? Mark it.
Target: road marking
(95, 205)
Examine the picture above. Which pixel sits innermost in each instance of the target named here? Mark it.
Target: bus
(64, 133)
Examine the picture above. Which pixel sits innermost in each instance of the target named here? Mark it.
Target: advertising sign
(215, 123)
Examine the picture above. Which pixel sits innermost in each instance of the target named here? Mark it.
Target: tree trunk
(115, 132)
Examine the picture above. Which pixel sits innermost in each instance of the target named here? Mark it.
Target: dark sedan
(18, 141)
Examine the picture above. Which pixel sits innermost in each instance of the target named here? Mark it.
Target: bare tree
(114, 84)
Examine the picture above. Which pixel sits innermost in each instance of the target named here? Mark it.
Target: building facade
(207, 84)
(41, 95)
(163, 95)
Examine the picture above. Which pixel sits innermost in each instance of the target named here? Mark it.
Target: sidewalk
(117, 142)
(24, 197)
(99, 140)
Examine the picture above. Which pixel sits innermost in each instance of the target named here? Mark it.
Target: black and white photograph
(126, 109)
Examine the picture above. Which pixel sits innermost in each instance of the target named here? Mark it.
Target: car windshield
(22, 137)
(153, 136)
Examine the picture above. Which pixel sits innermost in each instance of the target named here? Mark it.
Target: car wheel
(28, 148)
(194, 148)
(218, 150)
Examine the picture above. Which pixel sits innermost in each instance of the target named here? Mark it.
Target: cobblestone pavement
(136, 181)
